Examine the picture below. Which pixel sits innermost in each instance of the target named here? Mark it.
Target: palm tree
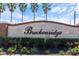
(1, 9)
(34, 8)
(12, 7)
(22, 7)
(46, 7)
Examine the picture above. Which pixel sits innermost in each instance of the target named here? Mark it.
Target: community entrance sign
(43, 29)
(28, 30)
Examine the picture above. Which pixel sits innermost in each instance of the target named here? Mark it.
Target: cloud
(77, 21)
(66, 16)
(63, 7)
(59, 8)
(5, 16)
(62, 20)
(40, 18)
(17, 16)
(77, 7)
(55, 9)
(63, 10)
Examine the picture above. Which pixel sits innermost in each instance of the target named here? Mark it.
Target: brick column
(3, 30)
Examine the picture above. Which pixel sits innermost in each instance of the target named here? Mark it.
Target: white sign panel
(41, 29)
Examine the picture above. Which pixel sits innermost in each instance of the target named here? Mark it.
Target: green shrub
(1, 49)
(11, 50)
(68, 52)
(34, 50)
(19, 46)
(24, 50)
(47, 51)
(75, 50)
(61, 52)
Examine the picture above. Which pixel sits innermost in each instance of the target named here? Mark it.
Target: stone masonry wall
(3, 30)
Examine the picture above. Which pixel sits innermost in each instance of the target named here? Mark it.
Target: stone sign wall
(43, 29)
(3, 30)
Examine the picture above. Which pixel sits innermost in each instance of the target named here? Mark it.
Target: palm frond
(2, 7)
(34, 7)
(11, 6)
(22, 7)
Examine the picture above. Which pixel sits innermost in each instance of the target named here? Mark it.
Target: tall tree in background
(34, 8)
(74, 17)
(1, 9)
(46, 7)
(12, 7)
(75, 14)
(22, 7)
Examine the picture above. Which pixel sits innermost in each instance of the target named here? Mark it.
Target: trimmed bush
(68, 52)
(1, 49)
(47, 51)
(34, 50)
(24, 50)
(61, 52)
(11, 50)
(75, 50)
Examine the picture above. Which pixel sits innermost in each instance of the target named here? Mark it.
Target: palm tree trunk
(11, 17)
(74, 17)
(22, 17)
(34, 16)
(46, 14)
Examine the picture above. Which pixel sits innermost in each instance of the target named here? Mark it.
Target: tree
(12, 7)
(34, 8)
(46, 7)
(22, 7)
(1, 9)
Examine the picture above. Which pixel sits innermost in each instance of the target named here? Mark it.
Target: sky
(60, 12)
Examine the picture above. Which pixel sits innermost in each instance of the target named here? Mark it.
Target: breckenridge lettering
(28, 30)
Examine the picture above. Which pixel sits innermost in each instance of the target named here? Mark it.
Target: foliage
(12, 7)
(1, 49)
(22, 7)
(24, 50)
(34, 50)
(2, 8)
(46, 7)
(7, 40)
(47, 51)
(68, 52)
(75, 50)
(34, 8)
(62, 52)
(35, 45)
(11, 50)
